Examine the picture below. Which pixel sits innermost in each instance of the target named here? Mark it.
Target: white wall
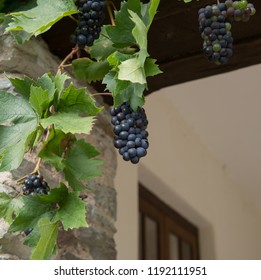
(184, 173)
(126, 238)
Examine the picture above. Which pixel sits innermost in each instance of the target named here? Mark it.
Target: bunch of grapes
(35, 184)
(91, 18)
(131, 136)
(215, 27)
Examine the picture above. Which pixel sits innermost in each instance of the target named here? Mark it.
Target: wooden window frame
(169, 221)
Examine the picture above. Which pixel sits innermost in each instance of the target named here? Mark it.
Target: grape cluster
(91, 18)
(215, 27)
(131, 136)
(35, 184)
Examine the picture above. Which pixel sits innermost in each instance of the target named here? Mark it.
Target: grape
(35, 184)
(28, 231)
(90, 21)
(131, 136)
(215, 27)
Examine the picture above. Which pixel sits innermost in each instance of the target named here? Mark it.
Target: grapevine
(50, 111)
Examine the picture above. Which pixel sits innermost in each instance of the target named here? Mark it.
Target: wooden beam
(196, 66)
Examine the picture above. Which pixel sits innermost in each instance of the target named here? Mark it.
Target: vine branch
(109, 5)
(101, 93)
(63, 64)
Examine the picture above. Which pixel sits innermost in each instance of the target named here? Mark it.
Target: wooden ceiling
(175, 41)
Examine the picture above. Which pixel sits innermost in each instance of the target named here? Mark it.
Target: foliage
(46, 104)
(49, 112)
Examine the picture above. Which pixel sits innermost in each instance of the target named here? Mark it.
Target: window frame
(169, 221)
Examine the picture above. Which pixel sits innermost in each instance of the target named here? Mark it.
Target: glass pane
(151, 239)
(186, 250)
(174, 247)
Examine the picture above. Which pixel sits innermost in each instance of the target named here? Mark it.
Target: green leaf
(80, 164)
(46, 83)
(89, 70)
(102, 47)
(77, 100)
(39, 99)
(121, 33)
(117, 57)
(69, 122)
(132, 70)
(59, 80)
(151, 68)
(54, 148)
(17, 122)
(124, 91)
(41, 17)
(72, 212)
(47, 242)
(139, 31)
(9, 207)
(110, 81)
(71, 209)
(22, 86)
(154, 4)
(132, 94)
(34, 209)
(149, 11)
(33, 238)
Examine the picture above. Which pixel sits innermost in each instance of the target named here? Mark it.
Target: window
(164, 233)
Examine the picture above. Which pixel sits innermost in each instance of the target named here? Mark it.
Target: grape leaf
(110, 81)
(71, 209)
(121, 33)
(139, 32)
(22, 86)
(72, 212)
(124, 91)
(46, 83)
(132, 94)
(102, 47)
(47, 242)
(117, 57)
(69, 122)
(33, 238)
(149, 11)
(77, 100)
(39, 206)
(89, 70)
(132, 70)
(17, 122)
(80, 165)
(59, 80)
(41, 17)
(151, 68)
(39, 99)
(9, 207)
(54, 147)
(34, 209)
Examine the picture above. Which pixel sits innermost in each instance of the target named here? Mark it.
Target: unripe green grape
(243, 4)
(228, 26)
(216, 47)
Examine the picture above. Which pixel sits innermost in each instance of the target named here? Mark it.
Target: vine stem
(73, 18)
(74, 51)
(101, 93)
(110, 4)
(218, 2)
(38, 163)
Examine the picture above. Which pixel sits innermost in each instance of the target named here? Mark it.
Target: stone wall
(95, 242)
